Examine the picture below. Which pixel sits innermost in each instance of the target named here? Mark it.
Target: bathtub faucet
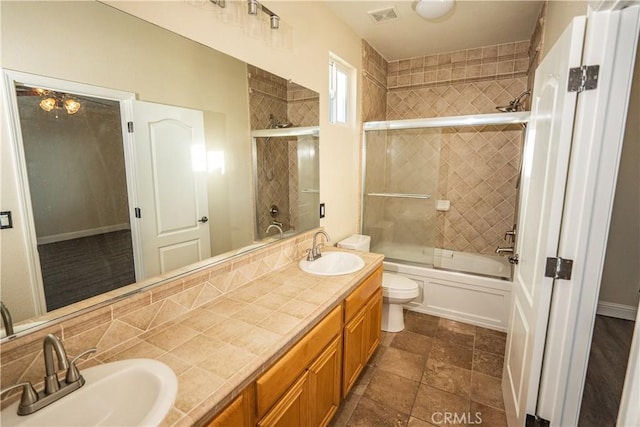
(501, 251)
(277, 227)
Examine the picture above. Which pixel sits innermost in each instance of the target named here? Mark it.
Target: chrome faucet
(51, 344)
(276, 226)
(314, 253)
(6, 319)
(501, 251)
(31, 400)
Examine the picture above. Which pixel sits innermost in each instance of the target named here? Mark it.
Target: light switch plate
(5, 220)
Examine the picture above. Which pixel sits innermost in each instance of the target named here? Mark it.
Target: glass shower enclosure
(401, 183)
(442, 192)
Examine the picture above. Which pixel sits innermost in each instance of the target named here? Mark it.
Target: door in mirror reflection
(81, 216)
(171, 166)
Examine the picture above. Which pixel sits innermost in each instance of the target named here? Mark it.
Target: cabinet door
(324, 384)
(238, 414)
(373, 322)
(292, 409)
(354, 350)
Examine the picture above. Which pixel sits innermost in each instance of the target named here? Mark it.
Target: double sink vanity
(283, 348)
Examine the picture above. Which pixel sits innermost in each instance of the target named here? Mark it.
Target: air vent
(383, 15)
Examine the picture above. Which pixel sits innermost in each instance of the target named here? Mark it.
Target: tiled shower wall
(478, 167)
(303, 105)
(286, 101)
(374, 80)
(273, 165)
(277, 168)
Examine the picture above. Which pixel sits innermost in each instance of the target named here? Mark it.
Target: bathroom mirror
(107, 55)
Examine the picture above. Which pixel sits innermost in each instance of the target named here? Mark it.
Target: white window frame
(340, 99)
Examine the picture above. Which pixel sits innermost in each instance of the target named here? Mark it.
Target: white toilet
(396, 289)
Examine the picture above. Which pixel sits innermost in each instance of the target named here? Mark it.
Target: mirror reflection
(99, 207)
(78, 192)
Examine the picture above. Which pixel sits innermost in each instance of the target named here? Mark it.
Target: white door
(544, 174)
(171, 185)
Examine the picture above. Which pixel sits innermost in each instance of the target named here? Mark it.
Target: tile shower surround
(287, 102)
(478, 166)
(214, 307)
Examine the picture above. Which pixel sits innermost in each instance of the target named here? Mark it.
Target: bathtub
(481, 298)
(484, 265)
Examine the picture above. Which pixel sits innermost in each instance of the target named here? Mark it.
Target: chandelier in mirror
(58, 101)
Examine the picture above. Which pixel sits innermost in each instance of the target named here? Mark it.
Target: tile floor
(433, 368)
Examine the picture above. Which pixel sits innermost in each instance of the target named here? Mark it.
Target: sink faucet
(314, 253)
(51, 344)
(31, 400)
(276, 226)
(6, 319)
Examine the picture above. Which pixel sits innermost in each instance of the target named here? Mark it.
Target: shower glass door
(400, 192)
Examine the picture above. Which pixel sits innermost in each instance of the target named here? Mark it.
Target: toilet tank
(358, 242)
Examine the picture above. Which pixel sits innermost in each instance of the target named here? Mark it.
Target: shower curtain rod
(451, 121)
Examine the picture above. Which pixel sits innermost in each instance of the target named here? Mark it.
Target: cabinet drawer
(358, 298)
(273, 384)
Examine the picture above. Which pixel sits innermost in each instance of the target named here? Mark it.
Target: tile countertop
(218, 349)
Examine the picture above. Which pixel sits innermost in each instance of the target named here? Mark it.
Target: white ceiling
(470, 24)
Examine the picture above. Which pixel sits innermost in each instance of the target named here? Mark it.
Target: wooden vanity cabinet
(315, 397)
(324, 384)
(303, 387)
(239, 413)
(292, 409)
(363, 316)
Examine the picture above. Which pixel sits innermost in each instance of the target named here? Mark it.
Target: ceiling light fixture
(58, 101)
(433, 9)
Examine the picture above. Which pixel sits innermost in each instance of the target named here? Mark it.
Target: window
(339, 83)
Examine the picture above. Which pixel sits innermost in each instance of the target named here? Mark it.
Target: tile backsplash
(120, 325)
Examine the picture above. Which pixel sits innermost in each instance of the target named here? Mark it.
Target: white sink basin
(333, 264)
(133, 392)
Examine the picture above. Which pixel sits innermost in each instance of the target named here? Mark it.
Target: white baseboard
(82, 233)
(620, 311)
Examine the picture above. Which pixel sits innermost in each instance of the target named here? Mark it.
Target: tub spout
(501, 251)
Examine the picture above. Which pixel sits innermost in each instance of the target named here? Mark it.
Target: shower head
(513, 105)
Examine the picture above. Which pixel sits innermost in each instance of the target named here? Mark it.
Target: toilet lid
(395, 281)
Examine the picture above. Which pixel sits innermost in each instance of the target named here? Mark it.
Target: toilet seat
(396, 286)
